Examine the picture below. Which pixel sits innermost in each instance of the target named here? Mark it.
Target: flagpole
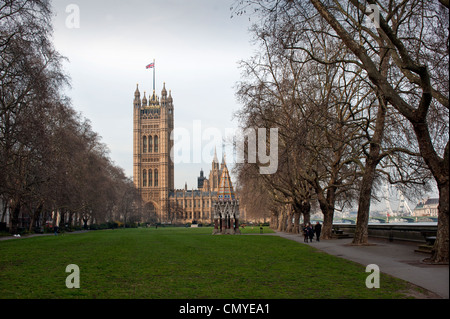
(154, 75)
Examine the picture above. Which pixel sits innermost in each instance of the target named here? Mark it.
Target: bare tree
(413, 32)
(402, 55)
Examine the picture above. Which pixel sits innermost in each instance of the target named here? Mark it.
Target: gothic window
(144, 143)
(156, 143)
(144, 178)
(150, 144)
(156, 177)
(150, 178)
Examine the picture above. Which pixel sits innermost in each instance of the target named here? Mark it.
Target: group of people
(309, 231)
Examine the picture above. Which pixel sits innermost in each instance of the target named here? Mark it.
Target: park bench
(430, 237)
(430, 240)
(339, 233)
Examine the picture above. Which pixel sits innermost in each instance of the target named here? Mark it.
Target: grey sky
(196, 46)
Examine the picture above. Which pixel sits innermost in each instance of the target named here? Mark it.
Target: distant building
(200, 180)
(153, 168)
(427, 207)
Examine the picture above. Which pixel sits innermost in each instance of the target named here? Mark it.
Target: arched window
(156, 143)
(144, 178)
(144, 144)
(156, 177)
(150, 144)
(150, 178)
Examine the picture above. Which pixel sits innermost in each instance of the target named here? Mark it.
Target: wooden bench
(430, 240)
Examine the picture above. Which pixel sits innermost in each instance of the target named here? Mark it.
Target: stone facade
(153, 168)
(226, 207)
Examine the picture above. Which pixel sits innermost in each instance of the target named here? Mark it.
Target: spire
(215, 156)
(144, 100)
(223, 159)
(137, 94)
(226, 191)
(154, 99)
(170, 96)
(164, 91)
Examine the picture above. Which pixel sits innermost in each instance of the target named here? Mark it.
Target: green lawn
(180, 263)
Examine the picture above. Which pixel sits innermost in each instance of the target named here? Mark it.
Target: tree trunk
(32, 221)
(282, 225)
(306, 211)
(35, 216)
(15, 218)
(327, 225)
(361, 236)
(273, 220)
(62, 219)
(440, 170)
(5, 208)
(70, 221)
(327, 209)
(296, 222)
(290, 215)
(440, 249)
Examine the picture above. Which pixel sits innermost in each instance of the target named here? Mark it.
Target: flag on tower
(151, 65)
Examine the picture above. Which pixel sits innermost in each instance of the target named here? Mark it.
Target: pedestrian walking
(305, 233)
(318, 230)
(310, 232)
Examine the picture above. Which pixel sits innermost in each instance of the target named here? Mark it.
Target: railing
(407, 232)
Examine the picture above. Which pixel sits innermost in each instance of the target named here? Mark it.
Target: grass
(175, 263)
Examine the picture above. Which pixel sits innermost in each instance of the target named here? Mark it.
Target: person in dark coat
(317, 230)
(310, 232)
(305, 233)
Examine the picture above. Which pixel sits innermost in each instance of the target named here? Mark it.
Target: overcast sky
(196, 45)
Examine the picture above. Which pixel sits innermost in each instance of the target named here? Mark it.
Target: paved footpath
(36, 235)
(397, 259)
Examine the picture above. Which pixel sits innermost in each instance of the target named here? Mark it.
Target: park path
(397, 259)
(36, 235)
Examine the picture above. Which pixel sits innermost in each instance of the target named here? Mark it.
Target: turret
(215, 162)
(154, 99)
(223, 164)
(164, 92)
(144, 100)
(137, 97)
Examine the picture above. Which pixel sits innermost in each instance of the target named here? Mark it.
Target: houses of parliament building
(153, 168)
